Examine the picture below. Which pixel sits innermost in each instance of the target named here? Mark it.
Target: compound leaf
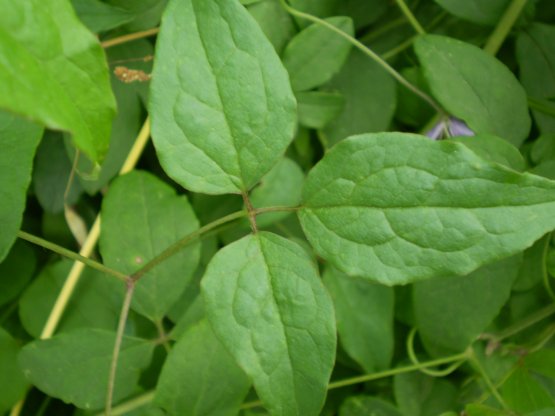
(222, 108)
(397, 208)
(266, 303)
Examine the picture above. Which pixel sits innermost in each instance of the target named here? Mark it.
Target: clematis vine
(452, 127)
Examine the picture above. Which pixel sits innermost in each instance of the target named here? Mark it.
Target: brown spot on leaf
(128, 75)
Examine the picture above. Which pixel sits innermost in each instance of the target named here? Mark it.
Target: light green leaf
(309, 63)
(417, 394)
(74, 367)
(367, 406)
(475, 87)
(12, 383)
(99, 16)
(494, 149)
(535, 52)
(51, 174)
(318, 108)
(215, 385)
(222, 109)
(396, 208)
(364, 313)
(18, 140)
(274, 21)
(370, 98)
(95, 303)
(266, 303)
(451, 312)
(16, 270)
(61, 79)
(142, 216)
(478, 11)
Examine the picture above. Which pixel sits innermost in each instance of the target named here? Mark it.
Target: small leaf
(99, 16)
(475, 87)
(311, 65)
(12, 383)
(367, 406)
(477, 11)
(142, 216)
(364, 312)
(215, 384)
(266, 303)
(274, 21)
(396, 208)
(451, 312)
(223, 112)
(16, 270)
(370, 99)
(74, 367)
(19, 140)
(62, 77)
(318, 108)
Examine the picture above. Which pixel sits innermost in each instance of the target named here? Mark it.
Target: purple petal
(436, 132)
(459, 128)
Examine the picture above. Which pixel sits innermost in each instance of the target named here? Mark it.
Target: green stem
(62, 251)
(543, 106)
(178, 245)
(117, 345)
(526, 323)
(163, 336)
(410, 17)
(392, 24)
(493, 390)
(507, 21)
(132, 404)
(545, 273)
(368, 52)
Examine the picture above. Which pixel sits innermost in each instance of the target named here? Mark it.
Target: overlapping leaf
(222, 108)
(396, 208)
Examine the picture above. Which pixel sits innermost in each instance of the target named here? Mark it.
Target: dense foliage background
(254, 257)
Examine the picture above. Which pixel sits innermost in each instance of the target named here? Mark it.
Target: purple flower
(452, 127)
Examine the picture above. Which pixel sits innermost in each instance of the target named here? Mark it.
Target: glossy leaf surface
(396, 208)
(266, 303)
(222, 108)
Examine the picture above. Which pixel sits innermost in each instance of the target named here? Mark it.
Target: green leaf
(74, 367)
(535, 52)
(364, 313)
(475, 87)
(478, 11)
(51, 174)
(215, 384)
(222, 109)
(142, 216)
(311, 65)
(266, 303)
(417, 394)
(370, 99)
(367, 406)
(410, 109)
(319, 108)
(396, 208)
(482, 410)
(147, 13)
(19, 140)
(13, 384)
(95, 302)
(61, 79)
(451, 312)
(524, 393)
(99, 16)
(494, 149)
(274, 21)
(16, 270)
(530, 272)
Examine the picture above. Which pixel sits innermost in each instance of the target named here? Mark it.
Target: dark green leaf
(478, 11)
(451, 312)
(74, 367)
(396, 208)
(417, 394)
(223, 112)
(16, 270)
(308, 62)
(370, 98)
(410, 108)
(142, 216)
(535, 51)
(524, 393)
(318, 108)
(61, 79)
(147, 13)
(274, 21)
(531, 270)
(267, 305)
(364, 313)
(19, 140)
(99, 16)
(367, 406)
(475, 87)
(215, 385)
(12, 383)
